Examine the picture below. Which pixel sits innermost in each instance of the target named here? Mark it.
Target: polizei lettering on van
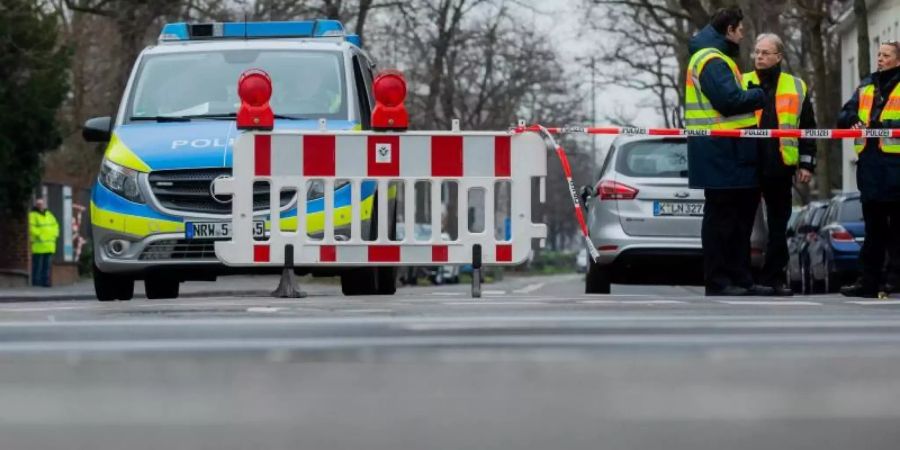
(202, 143)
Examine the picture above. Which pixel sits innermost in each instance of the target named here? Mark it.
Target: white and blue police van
(154, 214)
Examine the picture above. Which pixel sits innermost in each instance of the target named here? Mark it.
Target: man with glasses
(787, 107)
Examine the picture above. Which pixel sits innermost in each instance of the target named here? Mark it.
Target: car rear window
(653, 159)
(851, 211)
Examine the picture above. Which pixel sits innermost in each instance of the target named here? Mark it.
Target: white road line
(487, 303)
(875, 302)
(493, 292)
(529, 289)
(769, 303)
(632, 302)
(368, 311)
(263, 309)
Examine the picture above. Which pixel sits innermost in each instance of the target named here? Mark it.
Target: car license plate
(677, 208)
(218, 230)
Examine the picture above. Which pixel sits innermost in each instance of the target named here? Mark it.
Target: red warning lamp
(255, 90)
(390, 92)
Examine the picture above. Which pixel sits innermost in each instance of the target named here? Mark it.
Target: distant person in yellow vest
(725, 168)
(43, 230)
(787, 107)
(876, 104)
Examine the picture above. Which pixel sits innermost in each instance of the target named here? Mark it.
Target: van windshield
(305, 84)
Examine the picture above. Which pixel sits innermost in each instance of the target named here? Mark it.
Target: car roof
(622, 139)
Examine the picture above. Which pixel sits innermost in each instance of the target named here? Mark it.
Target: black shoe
(760, 290)
(859, 290)
(729, 291)
(782, 291)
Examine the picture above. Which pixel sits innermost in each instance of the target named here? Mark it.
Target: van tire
(110, 287)
(158, 287)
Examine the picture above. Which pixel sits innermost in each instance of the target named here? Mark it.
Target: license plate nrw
(218, 230)
(677, 208)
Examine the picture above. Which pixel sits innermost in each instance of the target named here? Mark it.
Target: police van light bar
(182, 31)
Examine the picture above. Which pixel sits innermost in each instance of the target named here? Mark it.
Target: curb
(81, 297)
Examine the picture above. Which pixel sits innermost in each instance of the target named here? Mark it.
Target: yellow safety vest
(43, 230)
(698, 111)
(789, 96)
(891, 111)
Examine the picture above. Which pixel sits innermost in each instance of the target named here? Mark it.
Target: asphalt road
(535, 364)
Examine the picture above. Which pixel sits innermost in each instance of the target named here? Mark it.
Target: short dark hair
(726, 18)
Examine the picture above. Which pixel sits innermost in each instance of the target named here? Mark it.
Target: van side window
(362, 75)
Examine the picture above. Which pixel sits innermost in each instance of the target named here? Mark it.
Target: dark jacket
(715, 162)
(771, 163)
(877, 173)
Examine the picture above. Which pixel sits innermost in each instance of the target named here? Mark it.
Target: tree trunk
(822, 93)
(862, 37)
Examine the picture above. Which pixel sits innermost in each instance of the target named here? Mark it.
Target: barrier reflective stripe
(473, 160)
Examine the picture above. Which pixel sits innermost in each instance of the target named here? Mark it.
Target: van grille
(190, 191)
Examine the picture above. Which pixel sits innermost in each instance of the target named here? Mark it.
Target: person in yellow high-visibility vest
(725, 168)
(787, 107)
(876, 104)
(43, 231)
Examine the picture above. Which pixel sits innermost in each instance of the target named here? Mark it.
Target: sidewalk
(251, 285)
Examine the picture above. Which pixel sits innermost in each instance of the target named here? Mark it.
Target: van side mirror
(97, 129)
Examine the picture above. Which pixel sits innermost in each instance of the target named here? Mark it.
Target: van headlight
(121, 180)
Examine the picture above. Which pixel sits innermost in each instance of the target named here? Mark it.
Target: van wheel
(360, 281)
(597, 280)
(109, 287)
(157, 287)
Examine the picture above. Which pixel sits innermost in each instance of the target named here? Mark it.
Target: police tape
(744, 133)
(567, 170)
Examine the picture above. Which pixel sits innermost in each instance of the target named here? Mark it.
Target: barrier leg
(476, 271)
(287, 286)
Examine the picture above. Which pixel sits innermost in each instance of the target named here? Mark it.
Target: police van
(154, 214)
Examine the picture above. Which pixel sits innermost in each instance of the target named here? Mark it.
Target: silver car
(645, 221)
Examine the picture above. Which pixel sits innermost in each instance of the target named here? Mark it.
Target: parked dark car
(834, 256)
(802, 232)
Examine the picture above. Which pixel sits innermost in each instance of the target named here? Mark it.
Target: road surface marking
(529, 289)
(447, 294)
(494, 292)
(769, 302)
(875, 302)
(476, 302)
(46, 308)
(368, 311)
(633, 302)
(263, 309)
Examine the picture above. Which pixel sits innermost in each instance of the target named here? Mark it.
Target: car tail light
(613, 190)
(255, 90)
(840, 235)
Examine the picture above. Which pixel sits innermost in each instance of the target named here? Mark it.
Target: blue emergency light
(182, 31)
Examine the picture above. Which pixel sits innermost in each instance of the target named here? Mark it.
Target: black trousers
(777, 194)
(727, 225)
(882, 239)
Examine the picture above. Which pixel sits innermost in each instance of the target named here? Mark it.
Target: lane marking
(529, 289)
(367, 311)
(633, 302)
(493, 292)
(875, 302)
(769, 302)
(488, 303)
(263, 309)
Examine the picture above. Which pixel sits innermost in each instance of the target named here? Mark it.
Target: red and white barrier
(288, 159)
